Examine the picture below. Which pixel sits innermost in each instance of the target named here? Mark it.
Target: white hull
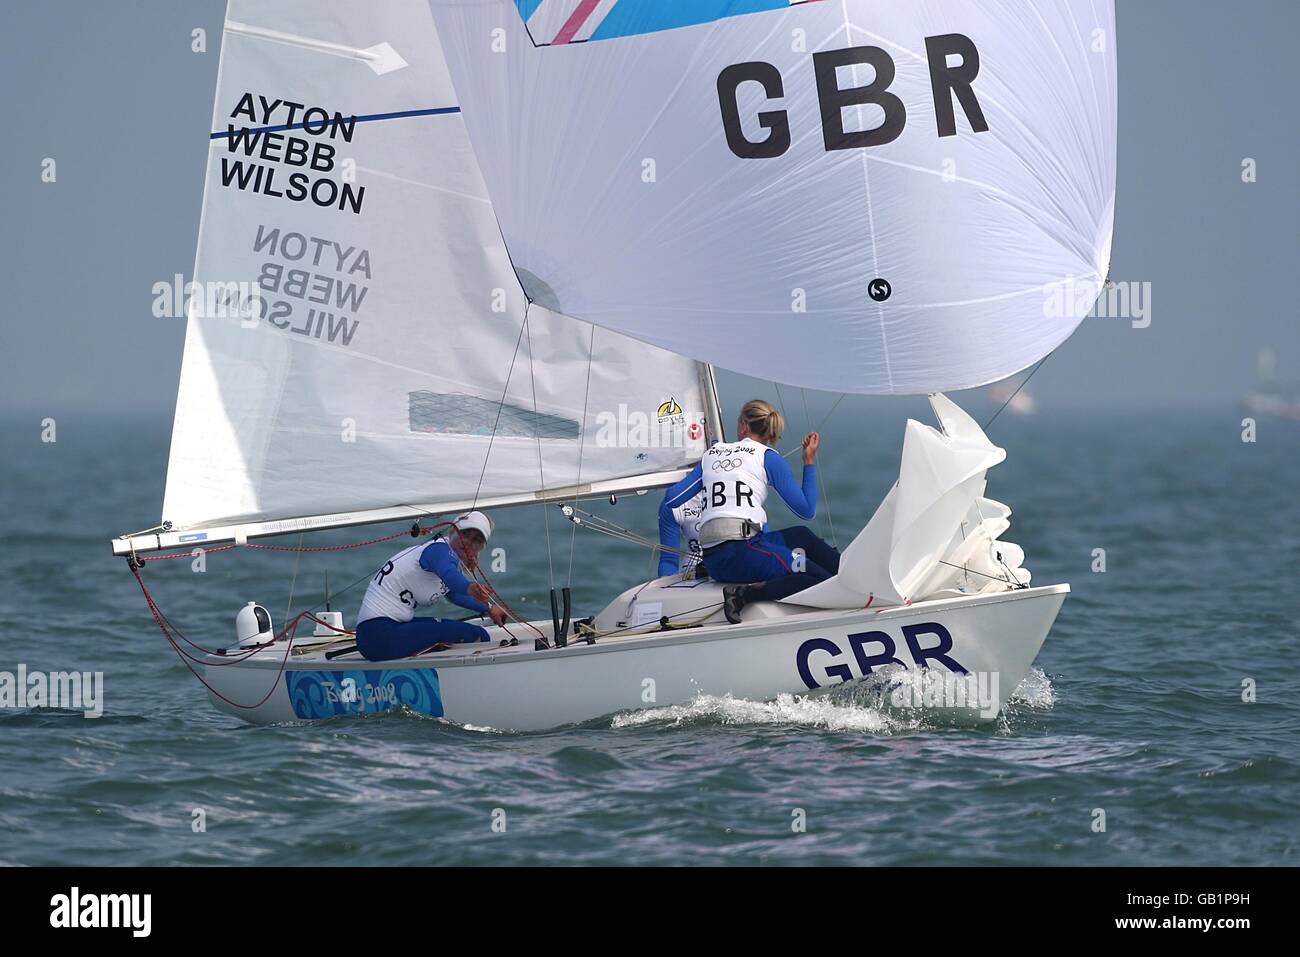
(518, 688)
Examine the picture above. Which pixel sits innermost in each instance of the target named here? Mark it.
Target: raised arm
(802, 501)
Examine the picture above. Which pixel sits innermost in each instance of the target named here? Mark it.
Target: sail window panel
(455, 413)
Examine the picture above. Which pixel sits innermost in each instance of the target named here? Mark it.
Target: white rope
(598, 523)
(582, 441)
(821, 484)
(541, 474)
(821, 481)
(500, 405)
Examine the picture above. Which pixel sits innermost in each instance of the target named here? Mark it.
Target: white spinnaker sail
(390, 352)
(701, 174)
(934, 530)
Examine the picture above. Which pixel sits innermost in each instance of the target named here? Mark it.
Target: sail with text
(858, 196)
(359, 348)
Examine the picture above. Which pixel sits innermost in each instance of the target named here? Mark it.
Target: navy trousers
(382, 639)
(769, 558)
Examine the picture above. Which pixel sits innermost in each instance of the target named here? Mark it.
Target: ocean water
(1134, 709)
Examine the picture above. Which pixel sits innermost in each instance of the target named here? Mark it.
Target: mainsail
(358, 345)
(853, 195)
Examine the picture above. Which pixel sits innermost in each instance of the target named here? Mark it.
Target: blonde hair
(765, 423)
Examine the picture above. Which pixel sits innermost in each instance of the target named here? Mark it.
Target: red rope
(293, 548)
(189, 554)
(157, 616)
(480, 578)
(290, 629)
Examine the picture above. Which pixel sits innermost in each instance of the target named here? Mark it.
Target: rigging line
(972, 571)
(609, 528)
(1011, 576)
(606, 526)
(541, 473)
(820, 425)
(711, 607)
(1017, 392)
(833, 408)
(582, 441)
(653, 547)
(156, 615)
(370, 574)
(335, 594)
(288, 548)
(781, 402)
(343, 591)
(821, 480)
(633, 539)
(288, 610)
(500, 405)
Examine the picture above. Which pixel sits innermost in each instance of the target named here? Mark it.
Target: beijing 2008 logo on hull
(326, 694)
(556, 22)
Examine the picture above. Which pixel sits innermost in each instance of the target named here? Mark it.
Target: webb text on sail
(272, 145)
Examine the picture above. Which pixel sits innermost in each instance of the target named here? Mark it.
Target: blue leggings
(768, 558)
(382, 639)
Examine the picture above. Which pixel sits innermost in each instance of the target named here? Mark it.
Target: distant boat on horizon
(1017, 400)
(1270, 396)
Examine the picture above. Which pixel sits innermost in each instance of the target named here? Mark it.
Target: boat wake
(862, 706)
(1035, 693)
(786, 711)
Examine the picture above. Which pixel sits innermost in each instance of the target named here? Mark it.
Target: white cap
(477, 521)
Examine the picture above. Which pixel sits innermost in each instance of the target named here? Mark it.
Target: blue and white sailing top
(679, 523)
(734, 478)
(415, 578)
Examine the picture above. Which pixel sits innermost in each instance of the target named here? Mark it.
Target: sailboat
(483, 255)
(1271, 396)
(1013, 399)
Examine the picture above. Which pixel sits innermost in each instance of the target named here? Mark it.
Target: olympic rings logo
(726, 465)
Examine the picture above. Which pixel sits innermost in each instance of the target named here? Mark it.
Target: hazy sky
(112, 91)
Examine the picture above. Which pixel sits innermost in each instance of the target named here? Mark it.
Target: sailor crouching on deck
(417, 577)
(738, 547)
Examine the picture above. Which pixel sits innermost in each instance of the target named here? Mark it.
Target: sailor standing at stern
(419, 576)
(738, 547)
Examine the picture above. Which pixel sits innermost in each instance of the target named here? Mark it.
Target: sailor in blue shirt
(734, 479)
(679, 528)
(418, 577)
